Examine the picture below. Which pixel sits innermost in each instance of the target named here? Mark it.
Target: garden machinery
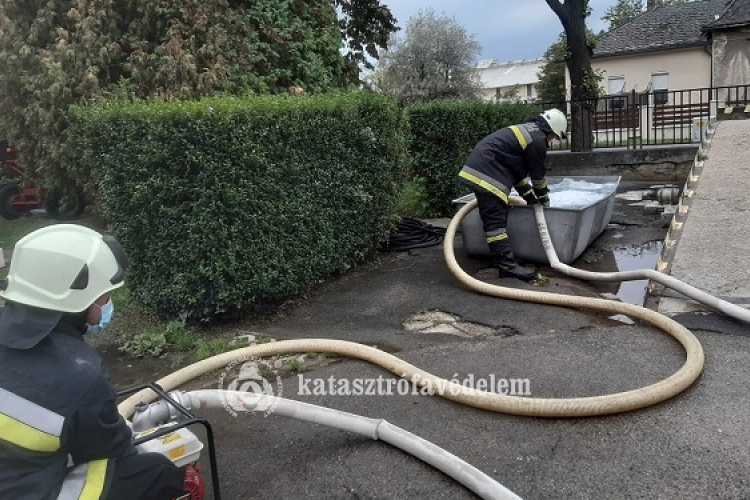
(19, 194)
(172, 438)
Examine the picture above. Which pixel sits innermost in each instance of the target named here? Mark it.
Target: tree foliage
(366, 26)
(57, 53)
(584, 82)
(433, 60)
(551, 85)
(622, 12)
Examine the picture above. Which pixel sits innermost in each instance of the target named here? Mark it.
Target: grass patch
(140, 332)
(13, 230)
(146, 344)
(413, 201)
(295, 366)
(174, 337)
(207, 348)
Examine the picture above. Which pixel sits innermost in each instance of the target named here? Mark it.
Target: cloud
(506, 29)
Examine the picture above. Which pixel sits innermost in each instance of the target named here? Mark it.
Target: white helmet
(64, 267)
(557, 122)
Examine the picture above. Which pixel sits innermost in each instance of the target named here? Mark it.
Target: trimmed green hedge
(443, 133)
(227, 203)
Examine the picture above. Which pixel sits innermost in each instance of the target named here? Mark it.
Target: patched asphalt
(693, 446)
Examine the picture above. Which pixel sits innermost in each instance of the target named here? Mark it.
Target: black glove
(524, 189)
(543, 195)
(530, 199)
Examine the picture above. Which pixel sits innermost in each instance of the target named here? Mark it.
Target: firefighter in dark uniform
(61, 437)
(505, 159)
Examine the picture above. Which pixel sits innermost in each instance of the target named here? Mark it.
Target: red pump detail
(195, 487)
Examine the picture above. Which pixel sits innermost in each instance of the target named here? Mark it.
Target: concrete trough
(572, 229)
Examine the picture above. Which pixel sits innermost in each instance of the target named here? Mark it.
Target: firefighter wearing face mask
(506, 159)
(61, 436)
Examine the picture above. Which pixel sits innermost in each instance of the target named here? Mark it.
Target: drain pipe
(377, 429)
(690, 291)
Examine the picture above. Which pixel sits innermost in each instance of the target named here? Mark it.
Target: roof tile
(666, 27)
(736, 14)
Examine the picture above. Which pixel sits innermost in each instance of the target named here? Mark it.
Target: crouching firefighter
(505, 159)
(61, 437)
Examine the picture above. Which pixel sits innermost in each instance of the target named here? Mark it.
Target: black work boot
(506, 262)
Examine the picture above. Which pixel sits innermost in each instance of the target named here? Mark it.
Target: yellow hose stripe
(519, 135)
(25, 436)
(96, 476)
(485, 185)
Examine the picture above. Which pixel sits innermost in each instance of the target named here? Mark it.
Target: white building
(509, 80)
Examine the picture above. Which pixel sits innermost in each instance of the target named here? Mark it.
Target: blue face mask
(107, 310)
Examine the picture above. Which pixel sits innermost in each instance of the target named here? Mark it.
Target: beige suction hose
(514, 405)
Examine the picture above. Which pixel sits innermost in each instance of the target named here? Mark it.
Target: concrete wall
(654, 163)
(731, 52)
(687, 68)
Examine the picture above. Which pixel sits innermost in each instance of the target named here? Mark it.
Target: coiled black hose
(413, 233)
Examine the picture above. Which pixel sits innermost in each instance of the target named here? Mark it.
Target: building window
(660, 87)
(616, 85)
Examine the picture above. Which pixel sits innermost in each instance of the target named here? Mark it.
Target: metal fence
(638, 119)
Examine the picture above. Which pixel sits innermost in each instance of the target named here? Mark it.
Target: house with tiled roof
(662, 49)
(662, 69)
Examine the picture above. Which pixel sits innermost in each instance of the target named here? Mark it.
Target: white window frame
(616, 80)
(660, 86)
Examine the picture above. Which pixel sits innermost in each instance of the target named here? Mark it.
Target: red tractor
(19, 195)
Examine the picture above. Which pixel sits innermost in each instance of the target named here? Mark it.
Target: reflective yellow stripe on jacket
(485, 182)
(28, 425)
(523, 135)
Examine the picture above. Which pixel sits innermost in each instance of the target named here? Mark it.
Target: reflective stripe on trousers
(497, 235)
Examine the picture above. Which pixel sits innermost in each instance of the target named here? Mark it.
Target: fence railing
(638, 119)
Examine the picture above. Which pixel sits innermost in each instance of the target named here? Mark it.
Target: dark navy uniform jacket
(56, 402)
(506, 158)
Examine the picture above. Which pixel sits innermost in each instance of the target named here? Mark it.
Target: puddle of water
(627, 258)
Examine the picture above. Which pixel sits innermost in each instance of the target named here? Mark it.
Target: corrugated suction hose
(514, 405)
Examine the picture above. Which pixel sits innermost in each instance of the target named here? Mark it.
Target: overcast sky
(507, 30)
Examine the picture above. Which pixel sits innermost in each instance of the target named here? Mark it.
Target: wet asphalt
(693, 446)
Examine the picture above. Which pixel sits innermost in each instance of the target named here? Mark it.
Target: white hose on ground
(502, 403)
(727, 308)
(378, 429)
(539, 407)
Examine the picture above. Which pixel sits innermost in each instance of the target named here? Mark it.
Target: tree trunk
(583, 85)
